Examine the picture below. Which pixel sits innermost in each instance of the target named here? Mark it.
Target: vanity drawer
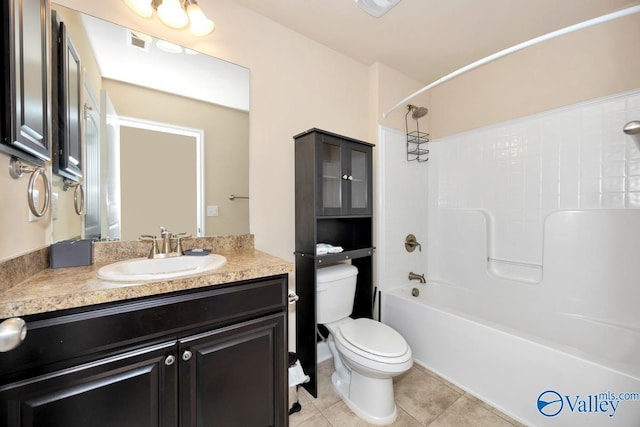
(79, 334)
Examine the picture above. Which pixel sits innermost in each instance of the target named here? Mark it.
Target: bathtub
(560, 369)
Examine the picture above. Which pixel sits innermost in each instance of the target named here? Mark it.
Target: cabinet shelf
(341, 256)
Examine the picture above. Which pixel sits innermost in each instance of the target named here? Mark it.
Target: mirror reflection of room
(136, 106)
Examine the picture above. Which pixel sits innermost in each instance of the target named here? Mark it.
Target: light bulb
(141, 7)
(200, 24)
(172, 14)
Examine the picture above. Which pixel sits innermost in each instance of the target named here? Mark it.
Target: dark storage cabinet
(24, 93)
(210, 357)
(333, 205)
(67, 107)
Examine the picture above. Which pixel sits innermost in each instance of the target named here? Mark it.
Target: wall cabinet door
(233, 376)
(67, 106)
(344, 177)
(24, 103)
(136, 388)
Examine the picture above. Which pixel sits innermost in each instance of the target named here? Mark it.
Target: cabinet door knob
(350, 178)
(170, 360)
(12, 332)
(345, 176)
(186, 355)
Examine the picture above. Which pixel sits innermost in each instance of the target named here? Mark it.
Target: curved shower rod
(520, 46)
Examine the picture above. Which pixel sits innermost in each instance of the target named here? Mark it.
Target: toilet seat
(373, 340)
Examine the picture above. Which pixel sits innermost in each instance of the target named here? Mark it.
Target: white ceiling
(428, 39)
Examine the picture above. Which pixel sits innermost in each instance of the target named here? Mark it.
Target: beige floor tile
(433, 374)
(317, 420)
(339, 415)
(326, 394)
(468, 412)
(422, 395)
(495, 411)
(423, 399)
(307, 412)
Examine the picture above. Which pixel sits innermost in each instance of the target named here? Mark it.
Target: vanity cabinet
(208, 357)
(24, 90)
(333, 204)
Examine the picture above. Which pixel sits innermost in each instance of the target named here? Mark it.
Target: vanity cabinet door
(24, 93)
(136, 388)
(235, 376)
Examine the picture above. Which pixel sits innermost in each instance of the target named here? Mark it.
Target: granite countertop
(62, 288)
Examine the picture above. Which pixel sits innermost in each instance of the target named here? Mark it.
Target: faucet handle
(154, 244)
(179, 238)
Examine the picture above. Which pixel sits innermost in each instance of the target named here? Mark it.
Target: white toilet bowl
(367, 355)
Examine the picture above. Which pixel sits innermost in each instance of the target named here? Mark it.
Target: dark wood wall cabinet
(333, 204)
(66, 106)
(24, 93)
(215, 356)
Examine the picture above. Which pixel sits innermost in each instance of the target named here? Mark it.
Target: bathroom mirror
(204, 96)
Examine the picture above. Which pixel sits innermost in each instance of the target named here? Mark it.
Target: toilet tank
(335, 291)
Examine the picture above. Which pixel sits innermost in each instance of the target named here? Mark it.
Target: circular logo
(550, 403)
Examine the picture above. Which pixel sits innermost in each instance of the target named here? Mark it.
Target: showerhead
(417, 112)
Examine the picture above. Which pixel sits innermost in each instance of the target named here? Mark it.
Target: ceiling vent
(138, 41)
(377, 8)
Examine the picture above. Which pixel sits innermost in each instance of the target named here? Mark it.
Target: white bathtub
(587, 370)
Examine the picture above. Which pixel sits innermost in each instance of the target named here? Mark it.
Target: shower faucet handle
(411, 242)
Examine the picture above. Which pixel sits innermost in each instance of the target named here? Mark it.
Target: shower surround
(531, 230)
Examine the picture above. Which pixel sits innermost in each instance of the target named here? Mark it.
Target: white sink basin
(160, 268)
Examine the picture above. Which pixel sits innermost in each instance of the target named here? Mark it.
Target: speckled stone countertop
(62, 288)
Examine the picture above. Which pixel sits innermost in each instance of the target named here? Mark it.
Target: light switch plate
(212, 210)
(36, 203)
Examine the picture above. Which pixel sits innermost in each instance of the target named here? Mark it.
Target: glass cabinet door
(331, 179)
(359, 178)
(344, 187)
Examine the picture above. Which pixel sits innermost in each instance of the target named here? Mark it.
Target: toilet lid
(374, 338)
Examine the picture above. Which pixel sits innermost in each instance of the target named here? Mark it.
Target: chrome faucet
(420, 277)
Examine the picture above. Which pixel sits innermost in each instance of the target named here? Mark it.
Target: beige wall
(297, 84)
(591, 63)
(226, 150)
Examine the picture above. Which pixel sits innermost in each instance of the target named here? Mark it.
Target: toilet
(366, 354)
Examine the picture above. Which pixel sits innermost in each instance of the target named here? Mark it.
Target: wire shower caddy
(416, 140)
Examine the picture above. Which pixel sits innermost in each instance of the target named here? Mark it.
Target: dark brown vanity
(198, 351)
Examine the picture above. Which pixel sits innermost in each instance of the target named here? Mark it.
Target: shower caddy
(416, 140)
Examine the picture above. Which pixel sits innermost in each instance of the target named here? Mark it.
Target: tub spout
(420, 277)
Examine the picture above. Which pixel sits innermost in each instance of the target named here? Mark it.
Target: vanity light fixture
(175, 14)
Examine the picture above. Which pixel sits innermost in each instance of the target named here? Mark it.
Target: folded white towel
(325, 248)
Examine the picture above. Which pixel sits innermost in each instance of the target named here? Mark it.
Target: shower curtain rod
(520, 46)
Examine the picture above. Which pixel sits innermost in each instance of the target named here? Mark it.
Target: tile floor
(422, 398)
